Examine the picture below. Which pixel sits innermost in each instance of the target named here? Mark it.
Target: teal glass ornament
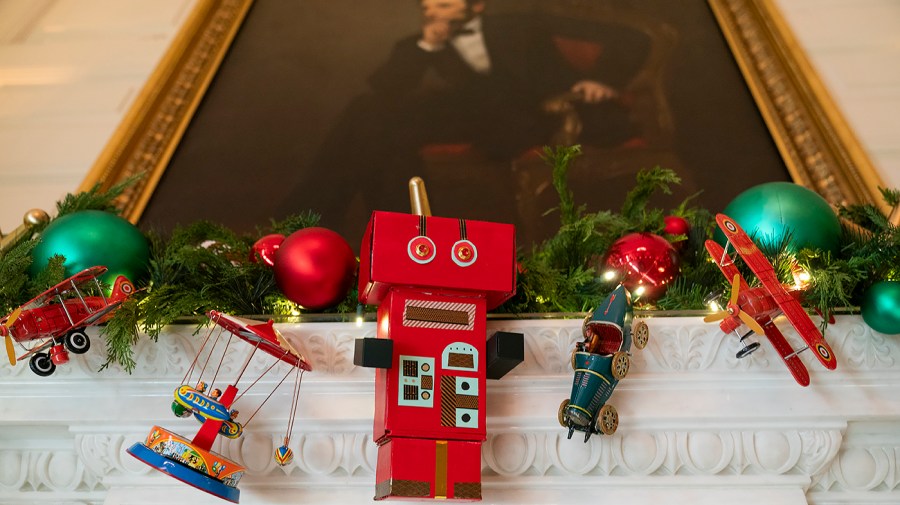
(770, 211)
(880, 307)
(92, 237)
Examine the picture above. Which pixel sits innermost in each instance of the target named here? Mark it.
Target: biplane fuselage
(759, 304)
(57, 318)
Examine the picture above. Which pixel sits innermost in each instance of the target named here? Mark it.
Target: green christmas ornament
(880, 307)
(769, 211)
(91, 237)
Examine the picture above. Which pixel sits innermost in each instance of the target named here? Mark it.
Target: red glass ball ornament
(646, 263)
(676, 225)
(314, 268)
(264, 249)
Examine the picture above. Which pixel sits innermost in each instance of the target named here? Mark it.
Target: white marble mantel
(697, 426)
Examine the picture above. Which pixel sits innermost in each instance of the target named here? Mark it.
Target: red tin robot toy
(433, 280)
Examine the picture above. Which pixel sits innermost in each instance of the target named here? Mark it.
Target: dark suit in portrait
(482, 91)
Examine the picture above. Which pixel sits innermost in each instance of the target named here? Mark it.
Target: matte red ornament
(315, 267)
(676, 225)
(264, 248)
(644, 260)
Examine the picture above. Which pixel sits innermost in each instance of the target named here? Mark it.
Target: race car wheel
(77, 342)
(561, 415)
(607, 420)
(620, 365)
(640, 334)
(42, 365)
(572, 359)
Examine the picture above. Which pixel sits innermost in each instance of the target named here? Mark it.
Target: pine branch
(560, 158)
(648, 183)
(95, 199)
(293, 223)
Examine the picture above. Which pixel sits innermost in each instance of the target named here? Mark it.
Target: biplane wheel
(561, 415)
(77, 342)
(640, 334)
(607, 420)
(620, 365)
(747, 351)
(42, 365)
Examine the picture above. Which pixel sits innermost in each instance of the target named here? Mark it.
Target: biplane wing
(67, 285)
(43, 346)
(789, 305)
(808, 331)
(97, 315)
(791, 359)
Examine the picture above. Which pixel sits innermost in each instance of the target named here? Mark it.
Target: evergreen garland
(206, 266)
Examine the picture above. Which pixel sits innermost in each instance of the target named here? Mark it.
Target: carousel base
(184, 473)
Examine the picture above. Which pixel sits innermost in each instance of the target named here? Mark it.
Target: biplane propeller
(757, 307)
(733, 309)
(7, 336)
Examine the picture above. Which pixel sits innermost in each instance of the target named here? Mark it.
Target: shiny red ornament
(264, 249)
(646, 263)
(315, 267)
(676, 225)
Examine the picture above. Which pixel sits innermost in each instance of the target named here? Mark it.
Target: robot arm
(505, 350)
(373, 352)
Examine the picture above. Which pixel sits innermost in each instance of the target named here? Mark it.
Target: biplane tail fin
(122, 289)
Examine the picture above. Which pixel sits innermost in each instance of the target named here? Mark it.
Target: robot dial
(464, 253)
(421, 249)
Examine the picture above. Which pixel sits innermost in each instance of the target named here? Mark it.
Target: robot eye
(464, 253)
(421, 249)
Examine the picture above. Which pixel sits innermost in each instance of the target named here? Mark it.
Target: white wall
(855, 47)
(69, 70)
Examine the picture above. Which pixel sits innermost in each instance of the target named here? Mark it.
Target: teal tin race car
(600, 361)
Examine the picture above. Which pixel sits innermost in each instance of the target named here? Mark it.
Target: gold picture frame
(819, 149)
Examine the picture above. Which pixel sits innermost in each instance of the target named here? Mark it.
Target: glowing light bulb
(801, 277)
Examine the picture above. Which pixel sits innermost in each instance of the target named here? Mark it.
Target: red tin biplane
(57, 317)
(757, 307)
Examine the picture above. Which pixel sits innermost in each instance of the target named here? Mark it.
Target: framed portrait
(265, 108)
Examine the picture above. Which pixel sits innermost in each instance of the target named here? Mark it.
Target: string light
(801, 277)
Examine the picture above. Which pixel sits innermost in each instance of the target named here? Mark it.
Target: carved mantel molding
(697, 425)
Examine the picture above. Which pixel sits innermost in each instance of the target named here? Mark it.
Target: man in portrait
(477, 79)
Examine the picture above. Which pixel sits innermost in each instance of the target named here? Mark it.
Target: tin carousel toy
(192, 460)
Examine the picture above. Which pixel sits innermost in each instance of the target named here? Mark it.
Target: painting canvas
(254, 149)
